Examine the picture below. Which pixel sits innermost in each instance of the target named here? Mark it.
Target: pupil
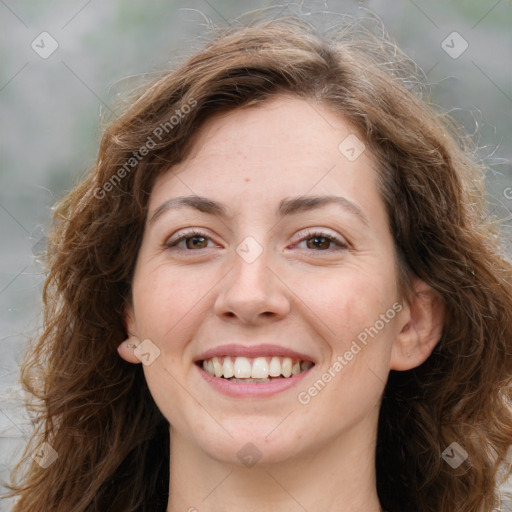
(319, 246)
(195, 238)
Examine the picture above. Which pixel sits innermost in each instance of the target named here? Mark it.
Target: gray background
(52, 111)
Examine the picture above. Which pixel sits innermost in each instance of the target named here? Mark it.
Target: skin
(314, 298)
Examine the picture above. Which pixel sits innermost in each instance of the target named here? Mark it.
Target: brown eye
(196, 242)
(318, 242)
(323, 242)
(188, 241)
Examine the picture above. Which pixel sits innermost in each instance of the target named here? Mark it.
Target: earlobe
(126, 349)
(423, 320)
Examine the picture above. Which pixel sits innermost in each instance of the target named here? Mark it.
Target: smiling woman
(293, 300)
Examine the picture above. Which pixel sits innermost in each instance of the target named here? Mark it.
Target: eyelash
(172, 244)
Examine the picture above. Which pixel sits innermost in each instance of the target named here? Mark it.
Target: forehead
(282, 128)
(283, 147)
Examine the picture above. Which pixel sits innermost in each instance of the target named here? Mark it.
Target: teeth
(286, 367)
(217, 367)
(305, 365)
(242, 368)
(248, 381)
(259, 369)
(275, 367)
(227, 368)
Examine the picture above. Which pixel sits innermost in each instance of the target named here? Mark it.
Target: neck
(336, 477)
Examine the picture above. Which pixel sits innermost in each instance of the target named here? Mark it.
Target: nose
(252, 292)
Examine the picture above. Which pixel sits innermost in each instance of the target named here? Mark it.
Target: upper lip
(234, 350)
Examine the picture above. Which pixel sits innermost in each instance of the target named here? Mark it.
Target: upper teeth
(255, 368)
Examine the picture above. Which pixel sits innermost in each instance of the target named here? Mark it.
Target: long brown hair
(96, 411)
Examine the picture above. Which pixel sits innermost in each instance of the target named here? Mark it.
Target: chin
(249, 446)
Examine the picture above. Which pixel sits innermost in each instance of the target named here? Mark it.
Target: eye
(320, 241)
(193, 240)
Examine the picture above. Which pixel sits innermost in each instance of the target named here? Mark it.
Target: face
(264, 280)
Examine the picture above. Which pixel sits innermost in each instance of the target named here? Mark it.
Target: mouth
(256, 371)
(259, 369)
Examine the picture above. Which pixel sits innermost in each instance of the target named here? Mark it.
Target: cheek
(362, 327)
(168, 301)
(349, 301)
(166, 386)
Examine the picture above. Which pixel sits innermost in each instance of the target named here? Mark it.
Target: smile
(257, 369)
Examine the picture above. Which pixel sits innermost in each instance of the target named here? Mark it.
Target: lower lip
(251, 389)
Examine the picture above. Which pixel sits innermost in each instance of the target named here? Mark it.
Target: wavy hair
(96, 410)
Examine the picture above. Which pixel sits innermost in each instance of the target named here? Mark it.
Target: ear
(127, 347)
(422, 323)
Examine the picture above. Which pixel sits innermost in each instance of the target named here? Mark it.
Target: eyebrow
(288, 206)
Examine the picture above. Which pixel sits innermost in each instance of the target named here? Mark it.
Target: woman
(276, 290)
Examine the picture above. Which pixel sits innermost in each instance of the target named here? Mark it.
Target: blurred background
(64, 64)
